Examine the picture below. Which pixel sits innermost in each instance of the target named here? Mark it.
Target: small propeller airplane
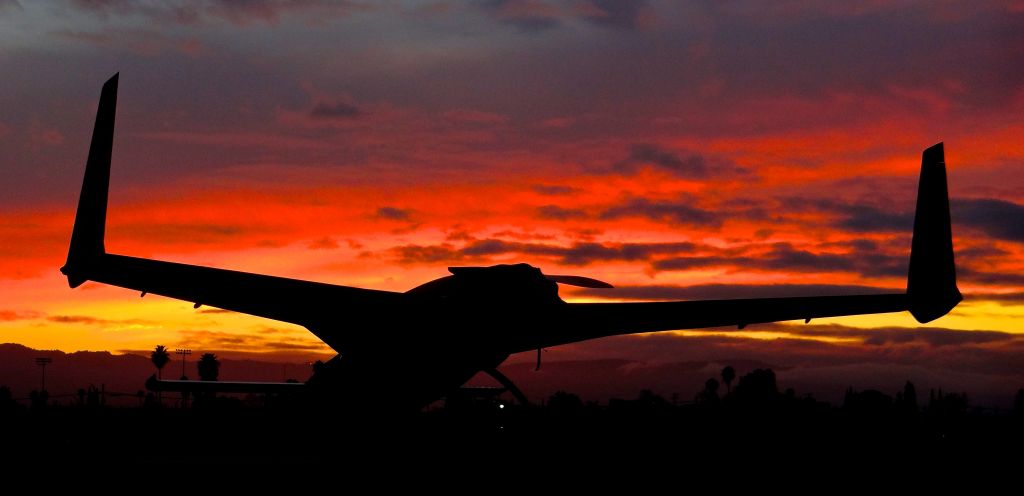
(433, 338)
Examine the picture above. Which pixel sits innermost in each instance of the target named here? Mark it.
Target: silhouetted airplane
(435, 337)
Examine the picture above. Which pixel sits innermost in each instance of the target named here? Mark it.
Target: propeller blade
(583, 282)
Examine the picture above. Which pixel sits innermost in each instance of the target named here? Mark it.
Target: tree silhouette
(38, 399)
(209, 367)
(728, 374)
(868, 402)
(562, 401)
(160, 357)
(906, 400)
(757, 389)
(6, 399)
(709, 396)
(650, 400)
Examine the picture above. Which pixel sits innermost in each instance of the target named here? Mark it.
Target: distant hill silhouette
(119, 373)
(592, 380)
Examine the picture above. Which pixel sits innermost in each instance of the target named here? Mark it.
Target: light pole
(184, 352)
(42, 362)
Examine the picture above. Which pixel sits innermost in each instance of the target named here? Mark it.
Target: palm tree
(728, 374)
(209, 367)
(160, 357)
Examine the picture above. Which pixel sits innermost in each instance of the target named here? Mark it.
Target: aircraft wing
(582, 321)
(931, 286)
(288, 300)
(279, 298)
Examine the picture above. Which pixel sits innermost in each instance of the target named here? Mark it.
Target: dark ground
(749, 435)
(630, 434)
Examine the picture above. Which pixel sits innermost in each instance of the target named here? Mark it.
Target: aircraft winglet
(931, 282)
(90, 219)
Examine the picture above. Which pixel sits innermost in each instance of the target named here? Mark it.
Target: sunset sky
(678, 150)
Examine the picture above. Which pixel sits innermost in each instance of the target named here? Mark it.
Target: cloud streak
(190, 13)
(95, 321)
(670, 212)
(337, 110)
(685, 166)
(242, 342)
(1000, 219)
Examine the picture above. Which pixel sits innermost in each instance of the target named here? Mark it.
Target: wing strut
(509, 385)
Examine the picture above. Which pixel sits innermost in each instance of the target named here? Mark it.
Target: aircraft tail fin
(931, 282)
(91, 217)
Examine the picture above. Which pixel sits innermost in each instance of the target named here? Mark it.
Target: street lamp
(42, 362)
(184, 352)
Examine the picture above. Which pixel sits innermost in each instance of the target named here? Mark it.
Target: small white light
(501, 406)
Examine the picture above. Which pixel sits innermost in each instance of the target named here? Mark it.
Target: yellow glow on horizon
(763, 336)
